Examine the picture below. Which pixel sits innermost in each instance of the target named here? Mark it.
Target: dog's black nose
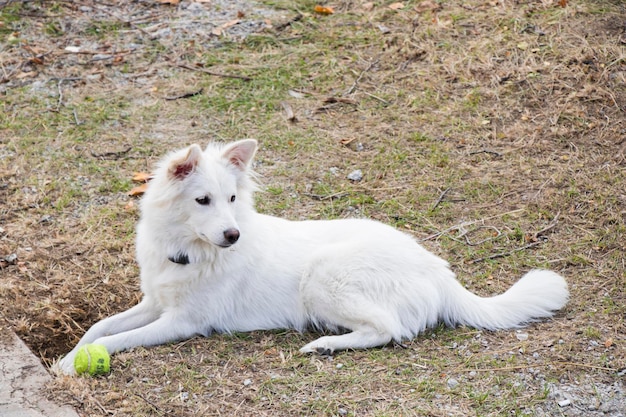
(231, 235)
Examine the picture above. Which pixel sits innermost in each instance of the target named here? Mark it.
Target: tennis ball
(93, 359)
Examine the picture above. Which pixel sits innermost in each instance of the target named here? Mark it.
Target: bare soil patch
(495, 132)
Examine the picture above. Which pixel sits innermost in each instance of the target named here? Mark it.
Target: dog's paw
(64, 366)
(318, 346)
(325, 351)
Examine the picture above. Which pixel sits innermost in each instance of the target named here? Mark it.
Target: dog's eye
(232, 198)
(203, 201)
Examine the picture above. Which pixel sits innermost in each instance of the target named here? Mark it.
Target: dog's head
(202, 193)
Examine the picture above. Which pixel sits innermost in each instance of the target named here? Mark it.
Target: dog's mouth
(222, 245)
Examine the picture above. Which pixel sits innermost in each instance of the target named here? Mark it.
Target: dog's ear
(240, 153)
(182, 167)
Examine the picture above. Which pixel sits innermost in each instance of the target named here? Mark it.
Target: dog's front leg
(169, 327)
(138, 316)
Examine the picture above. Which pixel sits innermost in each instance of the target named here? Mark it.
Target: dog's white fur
(354, 275)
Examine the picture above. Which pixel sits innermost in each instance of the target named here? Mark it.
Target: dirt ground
(492, 131)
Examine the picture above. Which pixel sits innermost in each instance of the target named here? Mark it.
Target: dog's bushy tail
(537, 294)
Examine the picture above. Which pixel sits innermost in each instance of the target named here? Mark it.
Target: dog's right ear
(240, 153)
(182, 167)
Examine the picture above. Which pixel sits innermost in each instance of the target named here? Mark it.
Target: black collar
(180, 258)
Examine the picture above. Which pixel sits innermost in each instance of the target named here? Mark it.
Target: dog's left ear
(240, 153)
(179, 169)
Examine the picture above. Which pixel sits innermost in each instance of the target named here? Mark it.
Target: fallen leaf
(270, 352)
(295, 94)
(28, 74)
(171, 2)
(563, 3)
(35, 50)
(426, 6)
(323, 9)
(219, 30)
(231, 23)
(346, 141)
(368, 6)
(141, 177)
(396, 6)
(129, 206)
(288, 111)
(608, 343)
(139, 190)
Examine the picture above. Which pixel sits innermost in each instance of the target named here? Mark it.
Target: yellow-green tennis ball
(93, 359)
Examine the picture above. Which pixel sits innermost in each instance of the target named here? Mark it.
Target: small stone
(472, 375)
(564, 403)
(342, 411)
(355, 175)
(247, 382)
(521, 336)
(11, 259)
(46, 218)
(452, 383)
(339, 366)
(101, 57)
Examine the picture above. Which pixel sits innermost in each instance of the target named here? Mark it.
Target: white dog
(210, 263)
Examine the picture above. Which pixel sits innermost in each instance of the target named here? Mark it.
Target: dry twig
(358, 80)
(440, 199)
(185, 95)
(216, 74)
(111, 155)
(504, 254)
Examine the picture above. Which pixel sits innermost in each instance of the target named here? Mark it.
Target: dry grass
(487, 128)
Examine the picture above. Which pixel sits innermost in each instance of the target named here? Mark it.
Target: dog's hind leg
(358, 339)
(350, 295)
(367, 323)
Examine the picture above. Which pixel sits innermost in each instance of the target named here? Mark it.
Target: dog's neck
(180, 258)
